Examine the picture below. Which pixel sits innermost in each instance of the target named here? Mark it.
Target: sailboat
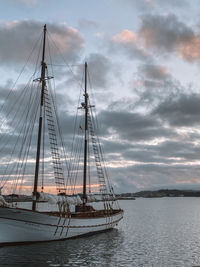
(73, 215)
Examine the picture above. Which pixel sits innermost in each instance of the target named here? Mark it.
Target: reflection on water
(91, 251)
(154, 232)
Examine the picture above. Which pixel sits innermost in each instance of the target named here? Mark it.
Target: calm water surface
(154, 232)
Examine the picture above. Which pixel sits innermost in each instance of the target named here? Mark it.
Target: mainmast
(86, 140)
(42, 80)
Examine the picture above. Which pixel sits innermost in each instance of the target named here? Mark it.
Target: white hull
(19, 226)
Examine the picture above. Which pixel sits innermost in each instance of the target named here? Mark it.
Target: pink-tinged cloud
(190, 50)
(191, 181)
(17, 39)
(125, 37)
(67, 41)
(167, 34)
(127, 42)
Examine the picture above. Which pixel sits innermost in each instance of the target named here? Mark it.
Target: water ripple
(154, 232)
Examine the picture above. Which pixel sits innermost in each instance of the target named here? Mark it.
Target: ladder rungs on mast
(60, 182)
(59, 173)
(97, 157)
(58, 158)
(56, 162)
(57, 166)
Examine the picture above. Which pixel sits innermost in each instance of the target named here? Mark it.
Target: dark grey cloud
(19, 117)
(164, 33)
(173, 157)
(144, 175)
(183, 150)
(124, 129)
(133, 126)
(99, 72)
(154, 84)
(166, 152)
(184, 110)
(17, 39)
(115, 146)
(145, 155)
(161, 163)
(158, 35)
(154, 72)
(176, 151)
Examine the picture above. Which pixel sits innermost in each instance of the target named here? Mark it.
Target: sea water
(154, 232)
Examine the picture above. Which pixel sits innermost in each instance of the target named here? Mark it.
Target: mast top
(85, 78)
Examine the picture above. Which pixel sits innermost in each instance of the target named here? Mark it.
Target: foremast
(85, 105)
(43, 81)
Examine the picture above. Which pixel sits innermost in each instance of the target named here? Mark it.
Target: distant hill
(145, 194)
(161, 193)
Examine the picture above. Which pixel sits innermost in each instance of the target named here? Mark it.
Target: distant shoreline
(126, 196)
(159, 194)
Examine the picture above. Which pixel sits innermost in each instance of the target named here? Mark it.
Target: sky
(143, 57)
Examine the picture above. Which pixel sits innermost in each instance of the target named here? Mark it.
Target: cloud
(99, 70)
(147, 154)
(154, 72)
(19, 111)
(18, 38)
(158, 35)
(169, 152)
(125, 37)
(133, 126)
(126, 41)
(191, 50)
(153, 84)
(179, 151)
(141, 164)
(182, 111)
(170, 3)
(167, 34)
(142, 134)
(147, 174)
(115, 146)
(146, 5)
(85, 24)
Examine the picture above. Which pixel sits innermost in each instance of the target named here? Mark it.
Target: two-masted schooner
(72, 215)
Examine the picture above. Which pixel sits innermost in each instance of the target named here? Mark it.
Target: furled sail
(72, 200)
(3, 203)
(59, 199)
